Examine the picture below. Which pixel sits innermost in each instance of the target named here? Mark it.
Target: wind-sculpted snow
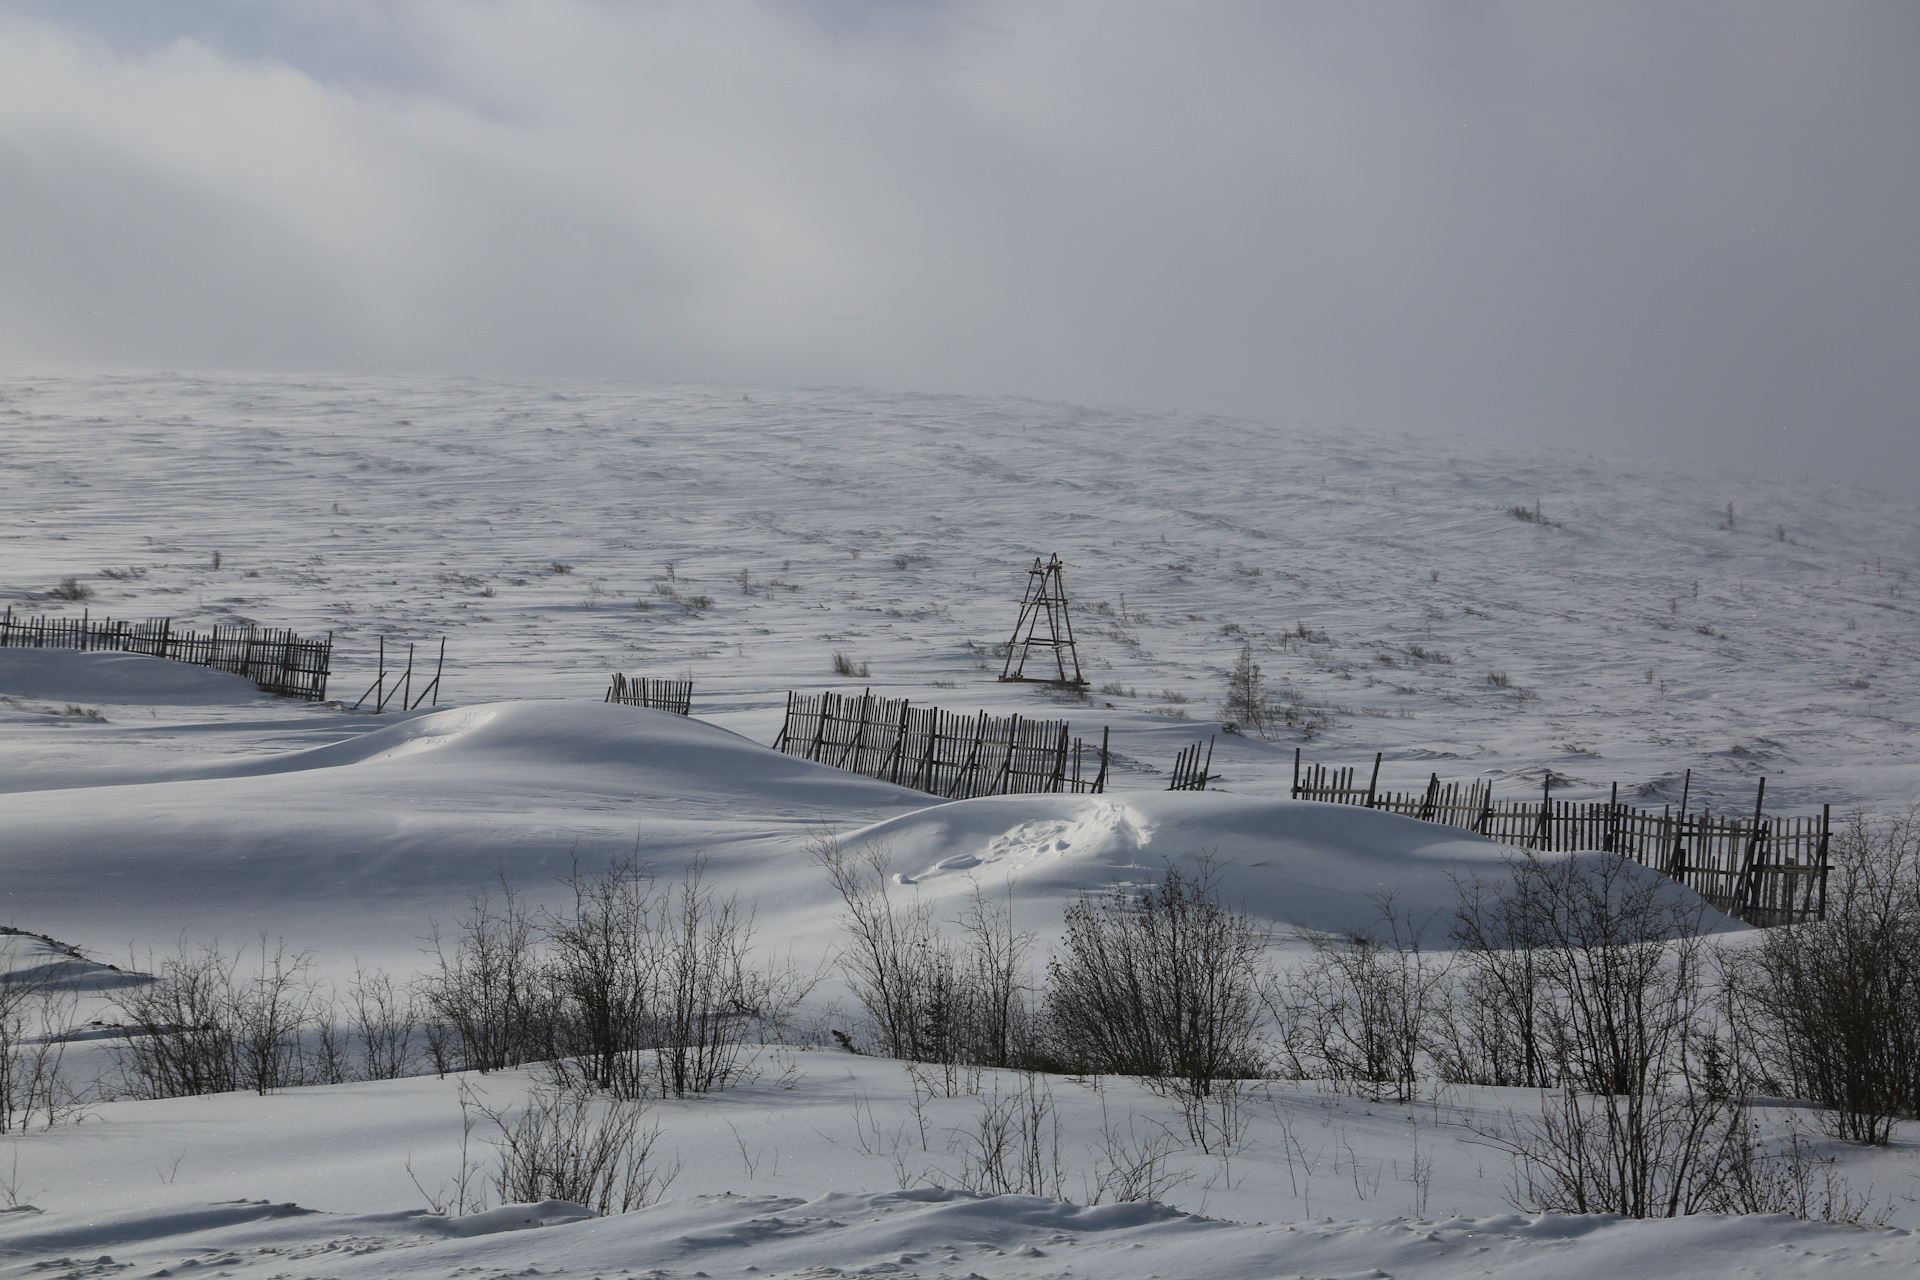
(923, 1234)
(1316, 867)
(355, 845)
(61, 675)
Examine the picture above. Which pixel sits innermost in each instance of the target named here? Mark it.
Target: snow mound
(67, 675)
(354, 845)
(36, 962)
(565, 745)
(1319, 867)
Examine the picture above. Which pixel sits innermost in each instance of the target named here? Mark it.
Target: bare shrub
(904, 976)
(33, 1011)
(71, 589)
(844, 665)
(1013, 1146)
(209, 1024)
(180, 1039)
(1132, 1163)
(1829, 1009)
(927, 998)
(384, 1018)
(1496, 1028)
(1657, 1154)
(269, 1010)
(1788, 1175)
(569, 1144)
(711, 999)
(1162, 983)
(997, 1024)
(1364, 1009)
(600, 971)
(1619, 1004)
(653, 989)
(487, 1003)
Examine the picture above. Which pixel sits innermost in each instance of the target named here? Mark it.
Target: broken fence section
(1763, 870)
(939, 752)
(1190, 772)
(401, 690)
(658, 695)
(278, 661)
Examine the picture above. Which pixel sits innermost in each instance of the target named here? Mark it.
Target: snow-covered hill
(557, 532)
(1380, 579)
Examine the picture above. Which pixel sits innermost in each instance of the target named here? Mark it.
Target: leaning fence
(279, 661)
(1190, 772)
(1763, 870)
(652, 692)
(940, 752)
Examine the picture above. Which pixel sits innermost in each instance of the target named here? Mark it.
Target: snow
(1380, 578)
(911, 1234)
(778, 1180)
(58, 675)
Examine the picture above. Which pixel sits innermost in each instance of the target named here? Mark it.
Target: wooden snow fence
(659, 695)
(1190, 772)
(1763, 870)
(939, 752)
(278, 661)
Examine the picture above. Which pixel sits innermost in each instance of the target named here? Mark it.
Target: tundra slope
(1380, 579)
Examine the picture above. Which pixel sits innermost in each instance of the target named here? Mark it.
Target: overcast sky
(1674, 228)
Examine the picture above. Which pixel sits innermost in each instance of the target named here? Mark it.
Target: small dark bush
(1160, 982)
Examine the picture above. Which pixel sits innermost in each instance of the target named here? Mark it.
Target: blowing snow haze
(1678, 230)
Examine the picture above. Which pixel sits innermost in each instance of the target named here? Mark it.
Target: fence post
(1374, 782)
(1826, 829)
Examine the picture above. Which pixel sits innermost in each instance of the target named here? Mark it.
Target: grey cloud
(1674, 229)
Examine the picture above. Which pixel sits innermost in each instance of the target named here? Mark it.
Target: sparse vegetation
(70, 589)
(32, 1087)
(1160, 982)
(1246, 700)
(844, 665)
(1827, 1010)
(1532, 515)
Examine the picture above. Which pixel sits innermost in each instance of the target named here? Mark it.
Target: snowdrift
(65, 675)
(354, 846)
(1316, 867)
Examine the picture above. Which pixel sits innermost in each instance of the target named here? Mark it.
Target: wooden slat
(1766, 871)
(933, 750)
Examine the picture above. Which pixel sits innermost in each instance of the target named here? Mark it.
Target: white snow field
(556, 532)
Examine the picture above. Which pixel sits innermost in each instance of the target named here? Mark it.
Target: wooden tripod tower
(1044, 608)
